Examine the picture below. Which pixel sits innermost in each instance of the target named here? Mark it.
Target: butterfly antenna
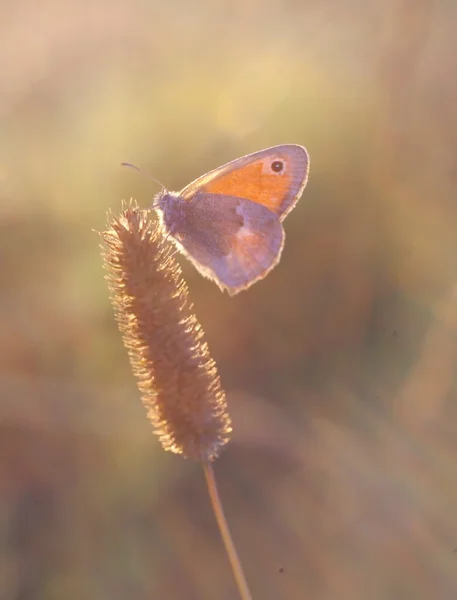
(126, 164)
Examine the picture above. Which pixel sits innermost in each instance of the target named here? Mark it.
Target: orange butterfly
(228, 222)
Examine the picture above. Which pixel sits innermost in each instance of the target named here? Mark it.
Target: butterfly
(228, 223)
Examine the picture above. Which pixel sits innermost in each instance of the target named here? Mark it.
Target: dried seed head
(176, 375)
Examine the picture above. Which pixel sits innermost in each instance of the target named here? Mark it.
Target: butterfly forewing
(274, 178)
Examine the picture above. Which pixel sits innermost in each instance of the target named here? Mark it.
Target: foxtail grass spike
(170, 359)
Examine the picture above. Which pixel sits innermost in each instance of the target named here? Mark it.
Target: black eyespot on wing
(277, 166)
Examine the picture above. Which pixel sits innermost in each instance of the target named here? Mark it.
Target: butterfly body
(229, 222)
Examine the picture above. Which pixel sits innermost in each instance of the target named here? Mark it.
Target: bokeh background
(340, 367)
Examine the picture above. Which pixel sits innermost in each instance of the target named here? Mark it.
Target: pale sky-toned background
(340, 367)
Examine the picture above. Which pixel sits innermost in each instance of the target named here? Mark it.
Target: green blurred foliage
(340, 366)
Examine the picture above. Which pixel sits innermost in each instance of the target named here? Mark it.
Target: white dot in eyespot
(268, 165)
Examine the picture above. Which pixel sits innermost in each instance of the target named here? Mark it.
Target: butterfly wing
(233, 241)
(274, 178)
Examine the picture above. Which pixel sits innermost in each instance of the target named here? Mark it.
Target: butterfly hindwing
(230, 240)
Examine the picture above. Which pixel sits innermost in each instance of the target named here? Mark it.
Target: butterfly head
(170, 210)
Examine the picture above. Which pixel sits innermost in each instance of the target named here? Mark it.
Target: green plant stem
(225, 533)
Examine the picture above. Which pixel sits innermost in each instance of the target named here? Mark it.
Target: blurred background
(340, 367)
